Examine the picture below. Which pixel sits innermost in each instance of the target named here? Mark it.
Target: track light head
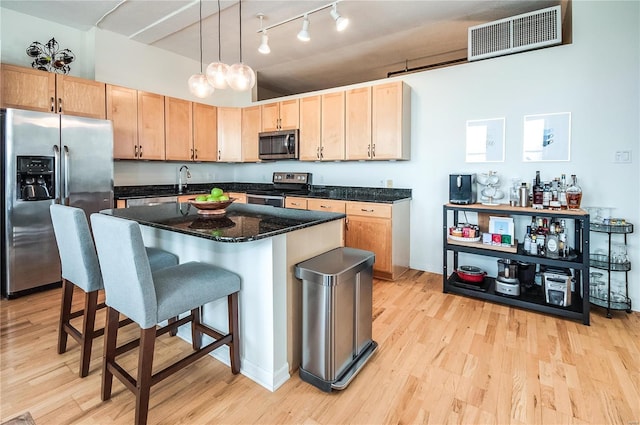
(264, 45)
(303, 35)
(341, 23)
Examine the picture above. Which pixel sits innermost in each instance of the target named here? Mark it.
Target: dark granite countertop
(240, 223)
(342, 193)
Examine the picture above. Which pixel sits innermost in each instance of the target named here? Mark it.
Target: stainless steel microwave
(284, 144)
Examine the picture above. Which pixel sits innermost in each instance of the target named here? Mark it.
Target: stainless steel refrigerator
(47, 158)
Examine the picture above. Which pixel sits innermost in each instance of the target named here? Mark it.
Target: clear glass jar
(574, 194)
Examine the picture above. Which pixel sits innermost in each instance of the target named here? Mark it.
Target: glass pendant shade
(241, 77)
(199, 86)
(217, 74)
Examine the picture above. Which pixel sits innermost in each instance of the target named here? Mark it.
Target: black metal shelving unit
(610, 301)
(578, 261)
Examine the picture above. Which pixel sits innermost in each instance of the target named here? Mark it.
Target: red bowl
(471, 274)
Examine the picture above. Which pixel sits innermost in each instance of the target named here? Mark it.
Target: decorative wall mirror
(485, 140)
(547, 137)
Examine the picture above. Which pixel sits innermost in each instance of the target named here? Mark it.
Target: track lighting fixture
(341, 23)
(303, 35)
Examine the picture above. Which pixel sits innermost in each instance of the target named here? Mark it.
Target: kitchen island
(262, 244)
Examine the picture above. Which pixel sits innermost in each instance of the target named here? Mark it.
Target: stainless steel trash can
(336, 316)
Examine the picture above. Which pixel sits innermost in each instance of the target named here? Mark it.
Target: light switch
(622, 157)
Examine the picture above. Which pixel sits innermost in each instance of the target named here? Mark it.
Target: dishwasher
(136, 202)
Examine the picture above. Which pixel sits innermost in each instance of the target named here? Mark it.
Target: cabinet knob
(53, 104)
(140, 151)
(135, 151)
(196, 153)
(59, 105)
(192, 154)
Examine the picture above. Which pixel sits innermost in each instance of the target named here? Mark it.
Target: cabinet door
(371, 234)
(205, 132)
(250, 129)
(310, 117)
(326, 205)
(390, 121)
(122, 110)
(290, 114)
(358, 124)
(332, 145)
(150, 126)
(27, 88)
(178, 129)
(80, 97)
(229, 134)
(270, 116)
(240, 198)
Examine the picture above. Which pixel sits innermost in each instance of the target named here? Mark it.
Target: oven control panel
(295, 178)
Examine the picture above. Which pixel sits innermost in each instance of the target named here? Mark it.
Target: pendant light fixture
(241, 77)
(217, 71)
(198, 84)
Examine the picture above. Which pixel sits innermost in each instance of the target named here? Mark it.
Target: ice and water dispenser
(35, 178)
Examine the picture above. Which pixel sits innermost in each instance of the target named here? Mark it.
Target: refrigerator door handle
(66, 174)
(58, 185)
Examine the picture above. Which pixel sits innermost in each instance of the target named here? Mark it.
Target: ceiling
(383, 36)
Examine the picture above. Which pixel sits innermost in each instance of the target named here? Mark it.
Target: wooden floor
(442, 359)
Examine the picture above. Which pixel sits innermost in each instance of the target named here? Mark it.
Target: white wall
(596, 79)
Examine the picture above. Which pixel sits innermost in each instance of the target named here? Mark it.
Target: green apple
(201, 198)
(223, 198)
(216, 191)
(212, 198)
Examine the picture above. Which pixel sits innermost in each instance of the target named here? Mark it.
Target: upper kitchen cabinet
(205, 132)
(229, 134)
(251, 125)
(32, 89)
(332, 132)
(178, 129)
(122, 110)
(284, 115)
(151, 126)
(358, 124)
(310, 128)
(391, 121)
(138, 123)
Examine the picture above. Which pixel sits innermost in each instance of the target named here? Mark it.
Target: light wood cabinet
(295, 203)
(251, 124)
(229, 134)
(332, 132)
(122, 110)
(391, 121)
(382, 229)
(240, 198)
(310, 128)
(284, 115)
(151, 138)
(35, 90)
(205, 132)
(326, 205)
(178, 127)
(358, 124)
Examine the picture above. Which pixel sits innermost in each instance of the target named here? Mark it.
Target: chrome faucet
(182, 186)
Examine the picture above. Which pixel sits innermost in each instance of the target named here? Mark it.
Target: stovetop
(287, 184)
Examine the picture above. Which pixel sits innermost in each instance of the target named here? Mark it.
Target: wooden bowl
(211, 207)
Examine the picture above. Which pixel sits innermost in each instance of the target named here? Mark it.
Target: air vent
(515, 34)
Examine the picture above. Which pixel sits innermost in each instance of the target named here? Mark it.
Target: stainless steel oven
(273, 200)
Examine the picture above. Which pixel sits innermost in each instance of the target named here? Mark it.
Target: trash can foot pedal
(341, 383)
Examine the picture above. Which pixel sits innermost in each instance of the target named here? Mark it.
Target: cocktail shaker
(523, 196)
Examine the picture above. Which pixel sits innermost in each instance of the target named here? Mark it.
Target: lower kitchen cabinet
(240, 198)
(296, 203)
(327, 205)
(384, 230)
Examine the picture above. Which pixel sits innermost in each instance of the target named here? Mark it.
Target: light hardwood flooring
(442, 359)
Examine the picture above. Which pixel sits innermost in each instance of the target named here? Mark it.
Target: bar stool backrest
(126, 273)
(75, 244)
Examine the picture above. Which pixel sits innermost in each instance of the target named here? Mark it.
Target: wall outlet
(389, 183)
(622, 157)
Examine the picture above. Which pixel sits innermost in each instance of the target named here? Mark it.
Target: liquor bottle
(538, 192)
(527, 241)
(574, 194)
(562, 193)
(546, 196)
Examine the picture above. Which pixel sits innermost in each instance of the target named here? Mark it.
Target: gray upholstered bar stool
(80, 267)
(149, 298)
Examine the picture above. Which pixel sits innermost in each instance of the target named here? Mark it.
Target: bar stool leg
(145, 366)
(110, 339)
(88, 331)
(65, 313)
(196, 335)
(234, 349)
